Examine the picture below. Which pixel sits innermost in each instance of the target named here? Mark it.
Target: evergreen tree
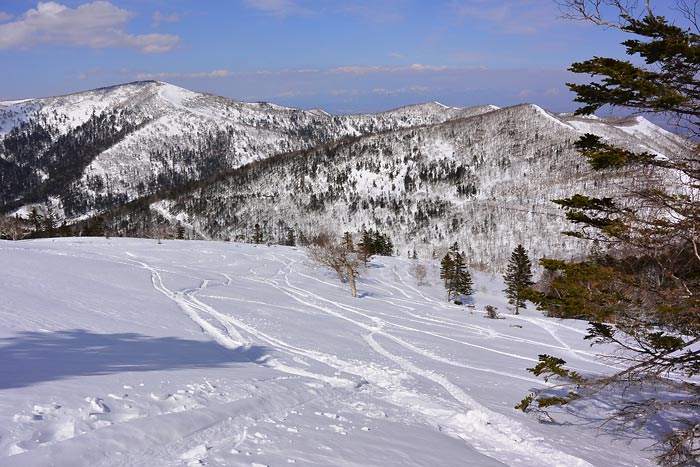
(365, 246)
(180, 231)
(464, 284)
(347, 238)
(518, 278)
(257, 234)
(447, 273)
(456, 276)
(97, 228)
(290, 241)
(35, 218)
(648, 283)
(64, 230)
(50, 222)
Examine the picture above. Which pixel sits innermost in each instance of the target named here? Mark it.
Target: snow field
(125, 352)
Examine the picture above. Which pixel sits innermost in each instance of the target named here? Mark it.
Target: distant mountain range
(428, 175)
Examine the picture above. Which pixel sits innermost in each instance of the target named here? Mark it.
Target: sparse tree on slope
(330, 251)
(652, 294)
(518, 278)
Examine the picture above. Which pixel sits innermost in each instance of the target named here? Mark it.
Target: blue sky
(341, 56)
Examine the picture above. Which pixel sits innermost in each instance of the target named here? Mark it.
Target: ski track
(476, 426)
(482, 423)
(491, 433)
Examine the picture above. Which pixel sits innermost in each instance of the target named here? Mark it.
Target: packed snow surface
(125, 352)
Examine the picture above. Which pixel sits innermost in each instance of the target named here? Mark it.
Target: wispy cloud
(406, 90)
(416, 67)
(279, 7)
(160, 18)
(511, 16)
(199, 74)
(96, 25)
(5, 16)
(341, 70)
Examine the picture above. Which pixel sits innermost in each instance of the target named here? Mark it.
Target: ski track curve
(491, 433)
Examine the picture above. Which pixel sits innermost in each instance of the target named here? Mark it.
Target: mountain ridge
(433, 165)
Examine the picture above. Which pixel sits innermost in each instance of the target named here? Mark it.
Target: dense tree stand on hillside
(643, 296)
(518, 278)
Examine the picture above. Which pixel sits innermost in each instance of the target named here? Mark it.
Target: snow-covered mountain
(124, 352)
(97, 149)
(484, 181)
(428, 175)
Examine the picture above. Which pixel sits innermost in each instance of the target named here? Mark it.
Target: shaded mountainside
(485, 181)
(98, 149)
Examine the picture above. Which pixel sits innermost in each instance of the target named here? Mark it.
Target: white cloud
(200, 74)
(96, 25)
(5, 16)
(160, 18)
(278, 7)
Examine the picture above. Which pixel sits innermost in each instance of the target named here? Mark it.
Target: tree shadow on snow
(596, 412)
(34, 357)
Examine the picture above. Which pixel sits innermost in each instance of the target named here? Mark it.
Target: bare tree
(418, 271)
(14, 228)
(333, 252)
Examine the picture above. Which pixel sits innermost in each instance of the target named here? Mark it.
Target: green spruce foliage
(455, 275)
(374, 243)
(518, 278)
(643, 295)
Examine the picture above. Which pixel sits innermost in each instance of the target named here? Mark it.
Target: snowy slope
(124, 352)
